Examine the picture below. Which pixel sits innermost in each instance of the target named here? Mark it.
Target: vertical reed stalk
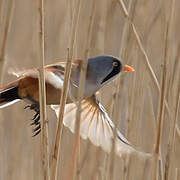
(56, 151)
(171, 142)
(3, 51)
(84, 158)
(160, 118)
(42, 95)
(95, 169)
(44, 127)
(123, 54)
(115, 117)
(76, 145)
(123, 48)
(178, 131)
(105, 167)
(6, 32)
(163, 92)
(126, 29)
(177, 174)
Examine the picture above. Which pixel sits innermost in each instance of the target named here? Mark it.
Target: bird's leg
(35, 119)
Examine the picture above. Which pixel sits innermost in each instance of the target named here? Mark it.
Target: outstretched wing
(95, 124)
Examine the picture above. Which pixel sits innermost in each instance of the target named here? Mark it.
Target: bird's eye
(115, 64)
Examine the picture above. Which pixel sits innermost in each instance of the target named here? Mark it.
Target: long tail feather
(9, 94)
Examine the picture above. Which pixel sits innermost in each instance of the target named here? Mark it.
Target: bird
(95, 123)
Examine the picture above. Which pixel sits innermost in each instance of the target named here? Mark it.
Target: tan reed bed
(115, 116)
(139, 93)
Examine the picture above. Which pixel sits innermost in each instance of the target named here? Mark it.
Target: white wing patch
(9, 103)
(50, 77)
(96, 125)
(54, 80)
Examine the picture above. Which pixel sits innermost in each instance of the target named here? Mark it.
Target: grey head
(100, 71)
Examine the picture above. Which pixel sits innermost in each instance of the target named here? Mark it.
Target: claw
(35, 116)
(35, 123)
(35, 119)
(36, 133)
(37, 128)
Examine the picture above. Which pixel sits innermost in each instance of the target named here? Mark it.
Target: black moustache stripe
(115, 71)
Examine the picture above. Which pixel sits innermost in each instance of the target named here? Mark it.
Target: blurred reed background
(146, 38)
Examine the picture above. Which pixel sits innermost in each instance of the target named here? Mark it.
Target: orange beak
(128, 68)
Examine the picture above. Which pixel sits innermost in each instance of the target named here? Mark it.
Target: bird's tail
(9, 94)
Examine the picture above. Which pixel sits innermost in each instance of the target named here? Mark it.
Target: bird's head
(100, 71)
(103, 69)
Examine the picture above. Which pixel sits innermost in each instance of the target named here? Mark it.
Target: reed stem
(42, 95)
(64, 93)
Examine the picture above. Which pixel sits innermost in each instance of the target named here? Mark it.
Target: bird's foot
(36, 118)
